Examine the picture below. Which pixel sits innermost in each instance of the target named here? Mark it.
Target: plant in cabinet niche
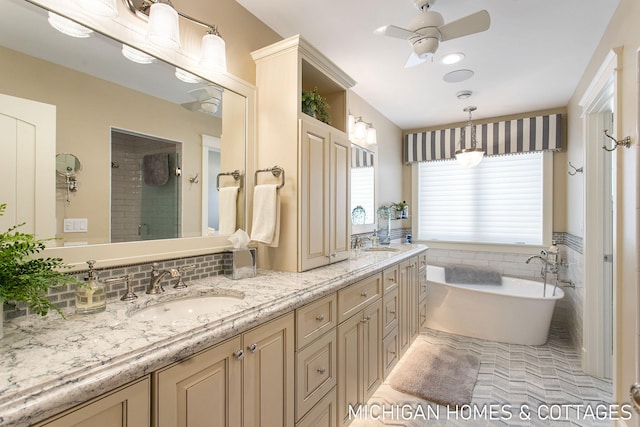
(25, 278)
(314, 105)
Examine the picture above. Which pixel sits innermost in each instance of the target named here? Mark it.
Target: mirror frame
(127, 28)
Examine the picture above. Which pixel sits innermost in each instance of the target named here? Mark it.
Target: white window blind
(362, 192)
(498, 201)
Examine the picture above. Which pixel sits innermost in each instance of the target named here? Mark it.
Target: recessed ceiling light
(452, 58)
(458, 76)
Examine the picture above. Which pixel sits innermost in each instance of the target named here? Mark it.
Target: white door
(27, 165)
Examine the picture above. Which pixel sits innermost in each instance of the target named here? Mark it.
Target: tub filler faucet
(548, 266)
(157, 276)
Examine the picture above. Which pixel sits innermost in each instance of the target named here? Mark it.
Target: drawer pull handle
(366, 319)
(321, 371)
(392, 279)
(363, 294)
(392, 312)
(252, 348)
(239, 355)
(320, 317)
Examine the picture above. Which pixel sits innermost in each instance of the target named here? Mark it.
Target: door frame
(602, 91)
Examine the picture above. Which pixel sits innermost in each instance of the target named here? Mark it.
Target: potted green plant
(25, 278)
(400, 209)
(315, 105)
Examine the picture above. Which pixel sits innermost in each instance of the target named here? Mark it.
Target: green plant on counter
(25, 278)
(314, 105)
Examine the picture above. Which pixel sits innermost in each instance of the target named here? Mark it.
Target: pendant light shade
(213, 54)
(163, 28)
(106, 8)
(68, 27)
(471, 156)
(360, 131)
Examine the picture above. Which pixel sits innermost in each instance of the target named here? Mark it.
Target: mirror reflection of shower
(145, 187)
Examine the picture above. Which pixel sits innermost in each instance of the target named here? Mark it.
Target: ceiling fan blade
(393, 31)
(414, 60)
(474, 23)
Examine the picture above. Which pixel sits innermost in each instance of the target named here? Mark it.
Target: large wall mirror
(363, 194)
(131, 125)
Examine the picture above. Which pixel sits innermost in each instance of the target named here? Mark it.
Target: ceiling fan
(427, 30)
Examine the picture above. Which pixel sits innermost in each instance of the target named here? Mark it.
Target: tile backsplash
(140, 276)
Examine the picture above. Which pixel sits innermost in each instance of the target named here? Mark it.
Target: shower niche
(145, 187)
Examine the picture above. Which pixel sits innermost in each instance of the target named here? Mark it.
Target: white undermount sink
(187, 307)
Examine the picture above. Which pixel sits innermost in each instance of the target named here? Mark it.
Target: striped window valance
(361, 157)
(510, 136)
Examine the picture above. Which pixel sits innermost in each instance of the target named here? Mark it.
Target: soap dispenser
(91, 297)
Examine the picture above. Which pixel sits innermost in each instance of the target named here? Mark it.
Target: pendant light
(163, 29)
(212, 51)
(472, 156)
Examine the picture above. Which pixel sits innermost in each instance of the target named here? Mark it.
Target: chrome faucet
(157, 276)
(549, 266)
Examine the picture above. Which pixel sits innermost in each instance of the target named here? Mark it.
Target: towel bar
(276, 171)
(235, 174)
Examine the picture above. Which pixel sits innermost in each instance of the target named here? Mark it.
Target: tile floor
(544, 378)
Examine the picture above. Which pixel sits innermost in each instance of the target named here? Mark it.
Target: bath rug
(436, 373)
(471, 275)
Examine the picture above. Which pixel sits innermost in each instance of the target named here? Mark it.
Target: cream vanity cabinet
(247, 380)
(124, 406)
(315, 222)
(359, 344)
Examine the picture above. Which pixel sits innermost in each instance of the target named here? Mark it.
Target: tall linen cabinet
(315, 220)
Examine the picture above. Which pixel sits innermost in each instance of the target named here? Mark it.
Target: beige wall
(87, 108)
(389, 185)
(623, 31)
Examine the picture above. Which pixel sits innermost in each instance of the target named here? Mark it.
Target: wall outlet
(76, 225)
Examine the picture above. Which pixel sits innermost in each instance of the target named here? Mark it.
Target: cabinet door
(404, 338)
(314, 194)
(202, 390)
(372, 349)
(126, 406)
(339, 198)
(349, 365)
(268, 376)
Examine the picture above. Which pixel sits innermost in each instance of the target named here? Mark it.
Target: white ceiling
(531, 58)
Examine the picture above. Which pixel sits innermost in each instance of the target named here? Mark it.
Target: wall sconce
(361, 131)
(163, 31)
(472, 156)
(626, 142)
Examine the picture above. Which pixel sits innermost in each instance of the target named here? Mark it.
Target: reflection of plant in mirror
(314, 105)
(399, 207)
(27, 279)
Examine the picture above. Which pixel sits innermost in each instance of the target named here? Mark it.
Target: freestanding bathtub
(514, 312)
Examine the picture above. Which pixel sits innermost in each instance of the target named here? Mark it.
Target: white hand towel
(227, 202)
(265, 227)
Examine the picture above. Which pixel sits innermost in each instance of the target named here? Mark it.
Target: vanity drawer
(390, 312)
(422, 284)
(422, 261)
(315, 372)
(315, 319)
(359, 295)
(389, 279)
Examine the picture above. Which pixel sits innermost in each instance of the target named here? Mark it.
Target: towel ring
(236, 174)
(276, 171)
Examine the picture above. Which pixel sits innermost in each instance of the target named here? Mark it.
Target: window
(501, 201)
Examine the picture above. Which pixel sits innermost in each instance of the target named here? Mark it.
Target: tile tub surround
(89, 355)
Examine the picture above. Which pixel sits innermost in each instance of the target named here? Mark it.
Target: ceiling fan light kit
(427, 29)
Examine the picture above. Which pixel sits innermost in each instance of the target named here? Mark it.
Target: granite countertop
(49, 364)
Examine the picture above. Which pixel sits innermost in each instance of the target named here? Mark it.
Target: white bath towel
(265, 227)
(227, 202)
